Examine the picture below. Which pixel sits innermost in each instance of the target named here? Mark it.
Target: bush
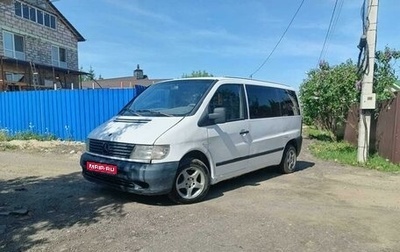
(327, 94)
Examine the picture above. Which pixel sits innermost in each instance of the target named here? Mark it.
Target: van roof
(236, 79)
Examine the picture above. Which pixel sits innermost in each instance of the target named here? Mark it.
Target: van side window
(289, 103)
(263, 102)
(230, 97)
(293, 97)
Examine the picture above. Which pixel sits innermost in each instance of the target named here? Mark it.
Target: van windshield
(171, 98)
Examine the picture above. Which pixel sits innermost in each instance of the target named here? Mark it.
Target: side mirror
(218, 115)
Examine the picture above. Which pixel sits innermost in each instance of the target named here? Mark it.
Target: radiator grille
(114, 149)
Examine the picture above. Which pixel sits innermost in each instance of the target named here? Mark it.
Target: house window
(25, 11)
(59, 56)
(52, 21)
(13, 45)
(47, 19)
(18, 9)
(33, 14)
(40, 17)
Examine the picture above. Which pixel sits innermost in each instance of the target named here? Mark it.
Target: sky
(171, 38)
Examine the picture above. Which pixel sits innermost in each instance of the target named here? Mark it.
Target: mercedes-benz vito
(180, 136)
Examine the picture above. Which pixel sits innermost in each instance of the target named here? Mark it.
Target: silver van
(181, 136)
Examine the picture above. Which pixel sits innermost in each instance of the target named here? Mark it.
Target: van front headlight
(87, 144)
(149, 152)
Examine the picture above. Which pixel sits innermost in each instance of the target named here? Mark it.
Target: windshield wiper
(152, 112)
(133, 112)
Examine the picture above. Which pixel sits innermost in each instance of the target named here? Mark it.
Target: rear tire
(289, 160)
(191, 183)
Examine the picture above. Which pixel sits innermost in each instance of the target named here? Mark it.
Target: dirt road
(45, 205)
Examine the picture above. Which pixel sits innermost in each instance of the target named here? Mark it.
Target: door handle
(244, 132)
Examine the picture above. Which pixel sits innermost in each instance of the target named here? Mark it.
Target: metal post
(2, 75)
(367, 102)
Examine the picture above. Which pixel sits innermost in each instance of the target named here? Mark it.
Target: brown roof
(121, 82)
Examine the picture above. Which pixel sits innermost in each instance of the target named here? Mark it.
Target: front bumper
(133, 177)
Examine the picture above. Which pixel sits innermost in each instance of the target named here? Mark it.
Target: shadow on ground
(31, 205)
(251, 179)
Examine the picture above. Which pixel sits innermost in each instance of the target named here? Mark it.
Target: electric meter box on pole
(368, 101)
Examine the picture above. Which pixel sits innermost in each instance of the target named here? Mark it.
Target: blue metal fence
(67, 114)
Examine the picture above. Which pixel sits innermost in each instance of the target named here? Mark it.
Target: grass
(345, 153)
(6, 146)
(5, 137)
(29, 135)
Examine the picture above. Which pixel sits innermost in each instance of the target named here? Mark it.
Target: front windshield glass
(171, 98)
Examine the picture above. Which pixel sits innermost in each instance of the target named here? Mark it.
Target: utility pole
(368, 98)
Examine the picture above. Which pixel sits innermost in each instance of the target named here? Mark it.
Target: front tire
(191, 183)
(289, 160)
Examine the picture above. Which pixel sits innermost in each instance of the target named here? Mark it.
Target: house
(138, 78)
(38, 47)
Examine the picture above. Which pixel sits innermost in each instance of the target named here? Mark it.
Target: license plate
(101, 168)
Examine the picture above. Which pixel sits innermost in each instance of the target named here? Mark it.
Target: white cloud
(134, 8)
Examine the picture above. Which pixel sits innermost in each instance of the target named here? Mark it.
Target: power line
(332, 25)
(328, 31)
(363, 56)
(279, 41)
(363, 16)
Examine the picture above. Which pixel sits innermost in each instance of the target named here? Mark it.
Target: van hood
(135, 130)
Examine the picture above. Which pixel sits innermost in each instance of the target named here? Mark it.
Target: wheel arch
(296, 144)
(193, 187)
(198, 155)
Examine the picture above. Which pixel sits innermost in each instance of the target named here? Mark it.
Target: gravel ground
(46, 205)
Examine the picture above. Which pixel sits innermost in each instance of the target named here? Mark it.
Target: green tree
(197, 74)
(327, 94)
(90, 76)
(385, 75)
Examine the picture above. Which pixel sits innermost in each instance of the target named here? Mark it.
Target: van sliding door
(266, 125)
